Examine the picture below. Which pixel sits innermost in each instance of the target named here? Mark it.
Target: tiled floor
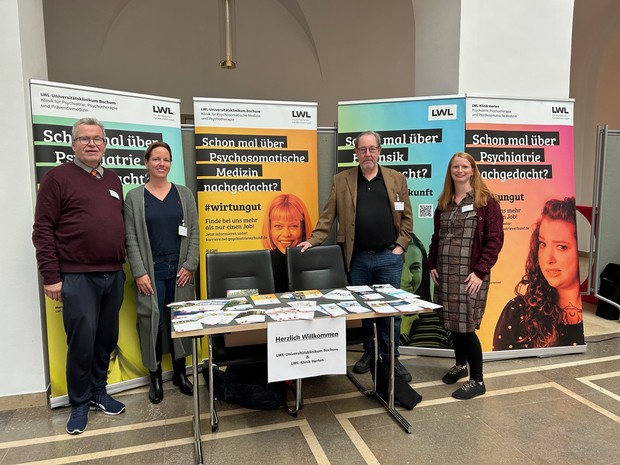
(556, 410)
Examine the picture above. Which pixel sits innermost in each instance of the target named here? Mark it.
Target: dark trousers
(165, 286)
(467, 350)
(91, 305)
(378, 268)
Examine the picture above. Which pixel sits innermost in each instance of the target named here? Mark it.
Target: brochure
(244, 320)
(265, 299)
(339, 294)
(288, 314)
(304, 305)
(354, 306)
(333, 309)
(381, 306)
(241, 292)
(309, 294)
(186, 325)
(405, 306)
(425, 304)
(218, 318)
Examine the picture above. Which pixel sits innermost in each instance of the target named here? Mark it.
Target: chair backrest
(319, 267)
(239, 270)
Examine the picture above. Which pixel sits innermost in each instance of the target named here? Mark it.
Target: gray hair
(88, 122)
(369, 133)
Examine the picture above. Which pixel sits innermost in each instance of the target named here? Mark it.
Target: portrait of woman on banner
(547, 309)
(420, 329)
(286, 224)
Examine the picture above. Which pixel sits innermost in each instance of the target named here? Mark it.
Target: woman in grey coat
(161, 225)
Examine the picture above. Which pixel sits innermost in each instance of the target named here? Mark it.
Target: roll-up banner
(256, 174)
(525, 152)
(419, 137)
(132, 122)
(524, 148)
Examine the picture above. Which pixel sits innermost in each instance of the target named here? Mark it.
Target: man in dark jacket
(79, 236)
(374, 229)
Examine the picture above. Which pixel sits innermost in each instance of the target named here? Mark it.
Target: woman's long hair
(480, 192)
(286, 206)
(424, 290)
(543, 316)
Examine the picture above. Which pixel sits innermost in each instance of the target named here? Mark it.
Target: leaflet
(218, 318)
(244, 320)
(304, 305)
(288, 314)
(309, 294)
(353, 306)
(381, 307)
(186, 325)
(265, 299)
(339, 294)
(333, 309)
(425, 304)
(405, 306)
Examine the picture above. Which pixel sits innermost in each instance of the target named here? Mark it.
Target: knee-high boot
(179, 378)
(156, 390)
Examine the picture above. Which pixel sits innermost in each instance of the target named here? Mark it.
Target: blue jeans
(165, 286)
(378, 268)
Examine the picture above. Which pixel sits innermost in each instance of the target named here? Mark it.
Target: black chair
(240, 271)
(323, 267)
(235, 271)
(317, 268)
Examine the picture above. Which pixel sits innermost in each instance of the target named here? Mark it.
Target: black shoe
(469, 390)
(401, 372)
(455, 373)
(156, 390)
(363, 364)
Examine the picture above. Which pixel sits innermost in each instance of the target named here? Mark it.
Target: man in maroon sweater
(79, 236)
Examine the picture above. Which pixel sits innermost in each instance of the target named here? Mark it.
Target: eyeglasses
(372, 149)
(87, 140)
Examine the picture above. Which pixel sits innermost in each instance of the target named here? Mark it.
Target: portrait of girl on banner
(286, 224)
(547, 309)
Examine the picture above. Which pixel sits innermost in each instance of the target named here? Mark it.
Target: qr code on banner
(425, 210)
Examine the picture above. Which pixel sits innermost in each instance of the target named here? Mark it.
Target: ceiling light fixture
(227, 32)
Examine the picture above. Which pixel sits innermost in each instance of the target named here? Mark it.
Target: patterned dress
(461, 311)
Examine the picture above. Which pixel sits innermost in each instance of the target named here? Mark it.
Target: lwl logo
(559, 110)
(162, 110)
(436, 112)
(301, 114)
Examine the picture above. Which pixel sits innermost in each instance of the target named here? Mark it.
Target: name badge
(114, 194)
(399, 206)
(467, 208)
(182, 231)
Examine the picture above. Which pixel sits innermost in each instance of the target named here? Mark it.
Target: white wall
(516, 48)
(22, 54)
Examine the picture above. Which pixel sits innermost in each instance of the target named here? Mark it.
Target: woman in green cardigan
(161, 224)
